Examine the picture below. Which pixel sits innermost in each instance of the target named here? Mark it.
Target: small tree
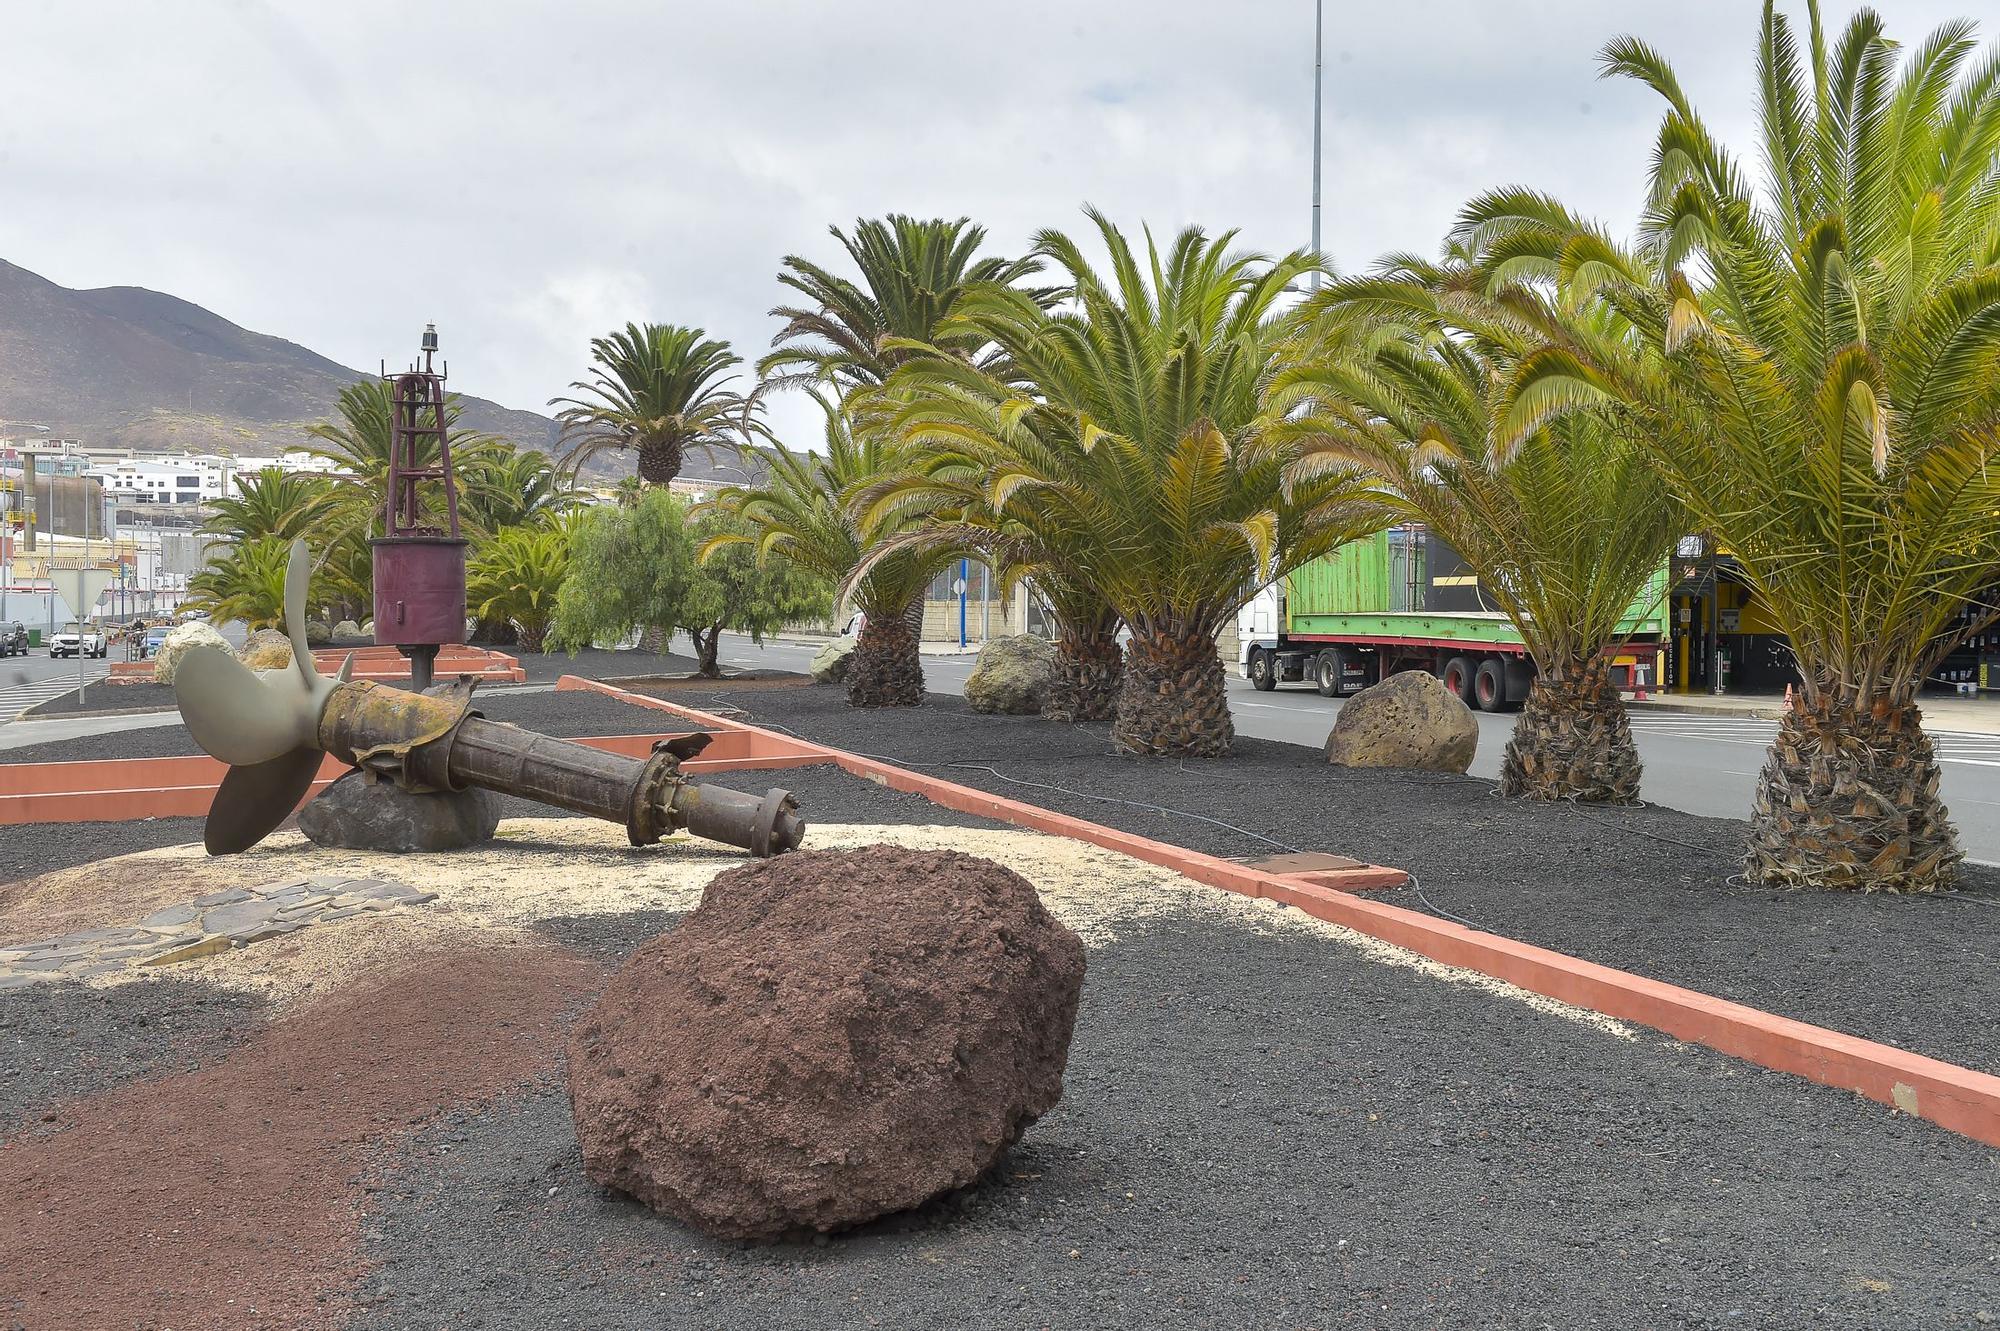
(636, 568)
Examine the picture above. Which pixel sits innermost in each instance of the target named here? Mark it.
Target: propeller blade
(237, 716)
(254, 799)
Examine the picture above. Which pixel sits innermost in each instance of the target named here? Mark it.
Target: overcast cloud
(546, 172)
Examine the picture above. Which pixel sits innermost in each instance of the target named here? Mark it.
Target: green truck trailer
(1404, 600)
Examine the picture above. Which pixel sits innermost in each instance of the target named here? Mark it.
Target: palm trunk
(1573, 740)
(886, 669)
(1849, 798)
(655, 640)
(1172, 700)
(1089, 665)
(532, 636)
(659, 459)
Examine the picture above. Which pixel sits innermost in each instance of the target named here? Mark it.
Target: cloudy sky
(549, 171)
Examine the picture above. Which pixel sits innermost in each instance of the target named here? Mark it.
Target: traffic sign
(80, 588)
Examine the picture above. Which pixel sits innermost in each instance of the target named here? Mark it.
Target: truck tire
(1263, 669)
(1326, 673)
(1458, 676)
(1489, 686)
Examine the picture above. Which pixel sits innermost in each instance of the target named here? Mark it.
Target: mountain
(128, 366)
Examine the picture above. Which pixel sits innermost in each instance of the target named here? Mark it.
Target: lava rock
(354, 814)
(266, 649)
(831, 663)
(1012, 676)
(1408, 720)
(194, 633)
(347, 628)
(831, 1036)
(318, 633)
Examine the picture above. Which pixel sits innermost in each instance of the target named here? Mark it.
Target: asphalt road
(1698, 764)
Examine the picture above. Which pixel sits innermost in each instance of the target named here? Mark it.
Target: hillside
(128, 366)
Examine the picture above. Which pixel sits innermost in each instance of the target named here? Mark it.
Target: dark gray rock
(352, 814)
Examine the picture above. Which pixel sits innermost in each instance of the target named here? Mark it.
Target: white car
(78, 639)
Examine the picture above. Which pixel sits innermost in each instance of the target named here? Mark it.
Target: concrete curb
(1960, 1099)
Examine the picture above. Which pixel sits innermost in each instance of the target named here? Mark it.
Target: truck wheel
(1458, 677)
(1326, 673)
(1263, 671)
(1489, 686)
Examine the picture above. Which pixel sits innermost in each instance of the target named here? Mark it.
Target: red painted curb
(1958, 1098)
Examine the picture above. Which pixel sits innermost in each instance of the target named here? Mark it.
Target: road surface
(1695, 763)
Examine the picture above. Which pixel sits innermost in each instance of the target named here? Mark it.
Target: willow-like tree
(1400, 373)
(803, 511)
(1124, 431)
(659, 391)
(1817, 369)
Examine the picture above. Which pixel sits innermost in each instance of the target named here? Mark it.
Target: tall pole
(1319, 24)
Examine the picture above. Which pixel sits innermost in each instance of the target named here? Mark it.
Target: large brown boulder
(266, 649)
(1012, 676)
(1408, 720)
(829, 1037)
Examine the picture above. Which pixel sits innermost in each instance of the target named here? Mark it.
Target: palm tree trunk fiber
(1848, 798)
(1172, 700)
(887, 670)
(1087, 673)
(659, 460)
(1573, 740)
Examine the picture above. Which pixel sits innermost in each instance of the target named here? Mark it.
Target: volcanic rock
(354, 814)
(347, 628)
(1012, 676)
(831, 662)
(1408, 720)
(194, 633)
(266, 649)
(829, 1037)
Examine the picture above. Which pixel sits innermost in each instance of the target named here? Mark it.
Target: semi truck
(1404, 600)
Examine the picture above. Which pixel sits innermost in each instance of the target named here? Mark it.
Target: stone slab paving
(203, 927)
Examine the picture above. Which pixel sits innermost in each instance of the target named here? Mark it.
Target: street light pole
(1319, 24)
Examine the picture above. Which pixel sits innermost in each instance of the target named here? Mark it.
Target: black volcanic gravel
(1646, 890)
(59, 1040)
(1267, 1130)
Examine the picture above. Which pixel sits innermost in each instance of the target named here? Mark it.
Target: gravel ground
(62, 1040)
(1266, 1128)
(1647, 890)
(105, 698)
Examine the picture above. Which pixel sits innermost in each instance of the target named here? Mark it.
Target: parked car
(78, 640)
(13, 639)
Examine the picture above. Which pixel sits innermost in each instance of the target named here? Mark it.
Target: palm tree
(516, 577)
(657, 389)
(500, 487)
(1400, 372)
(1818, 374)
(803, 510)
(244, 583)
(1126, 434)
(936, 499)
(847, 335)
(269, 502)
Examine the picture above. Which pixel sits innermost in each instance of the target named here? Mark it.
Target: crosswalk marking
(14, 698)
(1972, 748)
